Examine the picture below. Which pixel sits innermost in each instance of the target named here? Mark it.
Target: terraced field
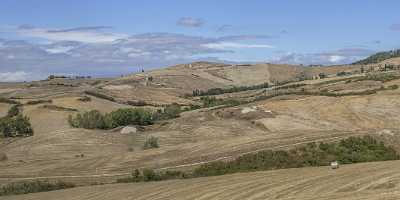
(380, 180)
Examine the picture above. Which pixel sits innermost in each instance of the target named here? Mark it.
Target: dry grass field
(379, 180)
(59, 152)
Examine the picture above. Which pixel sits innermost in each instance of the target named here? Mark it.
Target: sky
(109, 38)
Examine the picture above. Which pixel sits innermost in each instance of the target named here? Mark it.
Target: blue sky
(109, 38)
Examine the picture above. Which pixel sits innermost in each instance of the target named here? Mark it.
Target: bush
(15, 126)
(13, 111)
(151, 175)
(217, 91)
(151, 143)
(85, 99)
(34, 102)
(32, 187)
(88, 120)
(169, 112)
(99, 95)
(121, 117)
(9, 101)
(212, 101)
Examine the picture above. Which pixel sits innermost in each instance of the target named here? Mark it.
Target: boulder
(128, 130)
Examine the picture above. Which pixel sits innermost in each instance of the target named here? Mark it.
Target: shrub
(85, 99)
(59, 108)
(15, 126)
(9, 101)
(32, 187)
(13, 111)
(169, 112)
(34, 102)
(217, 91)
(393, 87)
(99, 95)
(151, 175)
(151, 143)
(89, 120)
(121, 117)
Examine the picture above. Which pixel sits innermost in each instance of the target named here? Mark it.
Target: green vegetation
(15, 124)
(59, 108)
(345, 151)
(147, 175)
(34, 102)
(99, 95)
(32, 187)
(378, 57)
(350, 150)
(217, 91)
(169, 112)
(121, 117)
(9, 101)
(13, 111)
(212, 101)
(151, 143)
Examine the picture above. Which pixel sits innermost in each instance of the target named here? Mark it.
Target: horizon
(108, 39)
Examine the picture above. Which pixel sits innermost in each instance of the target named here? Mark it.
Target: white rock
(128, 130)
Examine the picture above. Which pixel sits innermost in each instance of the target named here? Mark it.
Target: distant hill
(379, 57)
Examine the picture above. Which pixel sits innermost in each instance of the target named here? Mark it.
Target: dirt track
(378, 180)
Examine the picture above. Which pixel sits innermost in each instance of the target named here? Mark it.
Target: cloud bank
(94, 51)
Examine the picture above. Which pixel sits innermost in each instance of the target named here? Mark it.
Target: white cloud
(88, 35)
(60, 49)
(230, 45)
(340, 56)
(87, 55)
(14, 76)
(190, 22)
(335, 58)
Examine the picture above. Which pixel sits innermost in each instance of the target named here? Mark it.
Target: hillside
(278, 117)
(379, 57)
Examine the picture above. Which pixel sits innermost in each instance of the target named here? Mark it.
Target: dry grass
(366, 181)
